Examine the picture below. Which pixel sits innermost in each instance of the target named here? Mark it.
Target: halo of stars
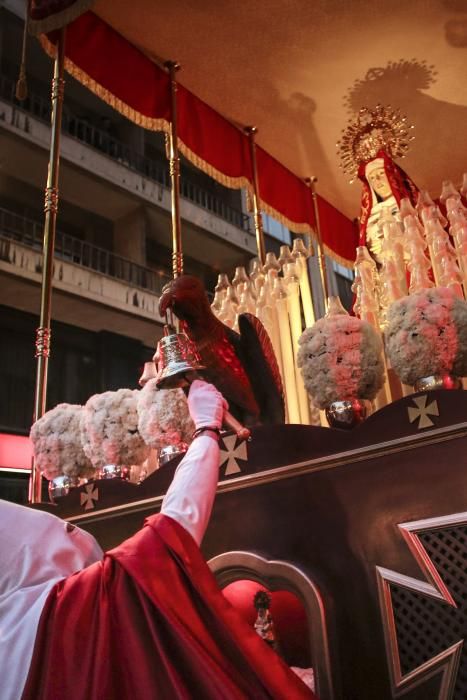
(372, 130)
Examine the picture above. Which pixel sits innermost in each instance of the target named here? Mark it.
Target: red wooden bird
(241, 365)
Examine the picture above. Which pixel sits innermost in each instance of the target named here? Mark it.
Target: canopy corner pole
(311, 182)
(174, 167)
(258, 219)
(43, 333)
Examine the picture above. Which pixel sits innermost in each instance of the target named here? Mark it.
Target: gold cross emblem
(88, 496)
(232, 453)
(423, 411)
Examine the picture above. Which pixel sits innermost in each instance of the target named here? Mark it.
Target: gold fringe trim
(349, 264)
(59, 19)
(235, 183)
(163, 125)
(151, 123)
(307, 229)
(292, 225)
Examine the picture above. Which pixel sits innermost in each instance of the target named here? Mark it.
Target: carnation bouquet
(109, 429)
(426, 335)
(340, 359)
(57, 444)
(163, 416)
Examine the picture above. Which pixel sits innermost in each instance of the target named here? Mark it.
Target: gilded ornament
(373, 129)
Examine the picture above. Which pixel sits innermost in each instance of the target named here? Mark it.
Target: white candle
(305, 291)
(295, 319)
(280, 296)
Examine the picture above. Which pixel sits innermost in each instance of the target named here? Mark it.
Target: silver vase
(170, 451)
(346, 414)
(61, 486)
(113, 471)
(438, 381)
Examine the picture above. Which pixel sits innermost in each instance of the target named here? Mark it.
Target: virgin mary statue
(368, 148)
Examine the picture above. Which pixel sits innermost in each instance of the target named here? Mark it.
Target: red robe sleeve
(147, 622)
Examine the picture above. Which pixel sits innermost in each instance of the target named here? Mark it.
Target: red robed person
(146, 620)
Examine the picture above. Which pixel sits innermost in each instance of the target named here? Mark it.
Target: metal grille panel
(425, 627)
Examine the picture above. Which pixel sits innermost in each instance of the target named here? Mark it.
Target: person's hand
(206, 405)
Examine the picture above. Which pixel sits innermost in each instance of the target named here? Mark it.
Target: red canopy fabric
(137, 87)
(211, 142)
(283, 194)
(46, 15)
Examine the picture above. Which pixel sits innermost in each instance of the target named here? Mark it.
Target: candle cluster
(423, 248)
(279, 294)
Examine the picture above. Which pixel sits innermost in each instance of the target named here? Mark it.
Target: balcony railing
(71, 249)
(81, 130)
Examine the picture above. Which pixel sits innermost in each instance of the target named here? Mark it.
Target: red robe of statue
(147, 622)
(400, 183)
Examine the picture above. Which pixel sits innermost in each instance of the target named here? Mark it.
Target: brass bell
(149, 372)
(176, 355)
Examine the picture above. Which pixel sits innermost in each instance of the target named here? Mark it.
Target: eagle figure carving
(241, 365)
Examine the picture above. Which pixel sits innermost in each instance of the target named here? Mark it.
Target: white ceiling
(299, 69)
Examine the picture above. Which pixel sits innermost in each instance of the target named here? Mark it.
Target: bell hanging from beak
(175, 355)
(176, 359)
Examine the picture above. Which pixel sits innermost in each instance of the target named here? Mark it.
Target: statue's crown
(372, 130)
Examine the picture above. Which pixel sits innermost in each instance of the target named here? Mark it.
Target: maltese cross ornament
(88, 496)
(424, 619)
(232, 454)
(422, 412)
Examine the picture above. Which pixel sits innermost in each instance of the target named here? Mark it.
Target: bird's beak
(166, 300)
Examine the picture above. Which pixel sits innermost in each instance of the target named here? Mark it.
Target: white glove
(206, 405)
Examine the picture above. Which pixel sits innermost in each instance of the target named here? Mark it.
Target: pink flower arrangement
(164, 418)
(57, 443)
(109, 429)
(340, 359)
(426, 335)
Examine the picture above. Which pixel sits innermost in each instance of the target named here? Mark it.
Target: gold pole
(310, 181)
(174, 165)
(50, 208)
(258, 219)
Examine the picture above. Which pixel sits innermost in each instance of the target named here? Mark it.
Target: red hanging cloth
(150, 622)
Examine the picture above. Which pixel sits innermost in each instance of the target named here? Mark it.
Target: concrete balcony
(112, 180)
(92, 287)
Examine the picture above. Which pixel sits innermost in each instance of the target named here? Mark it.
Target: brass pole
(174, 166)
(50, 209)
(258, 219)
(310, 181)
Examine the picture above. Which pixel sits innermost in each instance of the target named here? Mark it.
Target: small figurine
(264, 624)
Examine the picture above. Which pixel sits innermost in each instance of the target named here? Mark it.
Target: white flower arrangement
(109, 429)
(340, 357)
(57, 443)
(426, 335)
(164, 418)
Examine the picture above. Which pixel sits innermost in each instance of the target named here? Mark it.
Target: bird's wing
(262, 368)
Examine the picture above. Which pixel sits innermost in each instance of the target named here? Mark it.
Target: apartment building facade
(113, 244)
